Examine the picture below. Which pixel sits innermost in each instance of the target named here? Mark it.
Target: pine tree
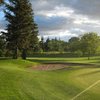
(42, 44)
(2, 45)
(47, 47)
(21, 28)
(34, 42)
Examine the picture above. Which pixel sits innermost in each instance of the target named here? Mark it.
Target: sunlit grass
(19, 82)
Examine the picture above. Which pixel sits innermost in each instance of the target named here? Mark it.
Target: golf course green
(78, 80)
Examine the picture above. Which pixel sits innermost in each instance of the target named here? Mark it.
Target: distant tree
(89, 43)
(53, 45)
(73, 44)
(21, 29)
(61, 46)
(56, 45)
(42, 43)
(47, 48)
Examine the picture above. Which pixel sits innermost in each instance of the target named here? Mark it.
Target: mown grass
(19, 82)
(93, 60)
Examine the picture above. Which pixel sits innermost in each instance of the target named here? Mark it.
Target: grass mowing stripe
(86, 89)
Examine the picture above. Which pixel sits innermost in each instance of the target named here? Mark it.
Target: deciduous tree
(89, 43)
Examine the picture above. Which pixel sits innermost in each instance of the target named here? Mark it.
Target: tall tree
(22, 30)
(42, 43)
(34, 40)
(89, 43)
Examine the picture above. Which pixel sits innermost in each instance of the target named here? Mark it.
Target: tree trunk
(15, 56)
(24, 54)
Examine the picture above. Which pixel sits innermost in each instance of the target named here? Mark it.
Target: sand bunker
(49, 67)
(59, 66)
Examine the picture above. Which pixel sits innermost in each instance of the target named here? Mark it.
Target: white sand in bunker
(50, 67)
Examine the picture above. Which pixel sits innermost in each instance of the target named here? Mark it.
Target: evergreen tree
(42, 44)
(34, 41)
(2, 45)
(22, 30)
(47, 48)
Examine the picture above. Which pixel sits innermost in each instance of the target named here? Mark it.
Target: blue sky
(64, 18)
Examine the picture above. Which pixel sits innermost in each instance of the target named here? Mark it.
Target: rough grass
(19, 82)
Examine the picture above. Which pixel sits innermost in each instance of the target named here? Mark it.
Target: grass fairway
(20, 82)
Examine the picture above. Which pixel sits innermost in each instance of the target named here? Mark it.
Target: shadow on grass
(62, 62)
(45, 61)
(90, 73)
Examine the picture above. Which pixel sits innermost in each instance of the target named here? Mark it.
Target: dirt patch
(49, 67)
(59, 66)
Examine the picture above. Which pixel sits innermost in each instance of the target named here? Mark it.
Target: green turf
(93, 60)
(19, 82)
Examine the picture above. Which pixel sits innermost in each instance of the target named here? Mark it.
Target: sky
(64, 18)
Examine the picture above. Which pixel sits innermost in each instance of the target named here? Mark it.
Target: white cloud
(65, 34)
(81, 19)
(58, 11)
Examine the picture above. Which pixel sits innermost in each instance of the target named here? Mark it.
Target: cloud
(60, 16)
(58, 11)
(88, 7)
(52, 23)
(63, 35)
(64, 18)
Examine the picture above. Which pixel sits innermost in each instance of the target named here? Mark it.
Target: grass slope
(18, 82)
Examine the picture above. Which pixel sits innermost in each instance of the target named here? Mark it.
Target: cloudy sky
(64, 18)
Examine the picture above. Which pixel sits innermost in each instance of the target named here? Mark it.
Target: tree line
(85, 45)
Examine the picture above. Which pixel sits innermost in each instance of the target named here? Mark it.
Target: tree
(21, 29)
(2, 45)
(54, 45)
(42, 44)
(89, 43)
(47, 48)
(74, 44)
